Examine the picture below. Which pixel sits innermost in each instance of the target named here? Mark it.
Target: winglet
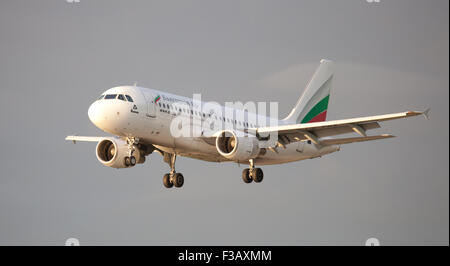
(425, 113)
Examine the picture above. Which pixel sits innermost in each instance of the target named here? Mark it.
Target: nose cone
(94, 113)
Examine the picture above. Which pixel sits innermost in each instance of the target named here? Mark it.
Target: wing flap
(298, 135)
(346, 128)
(352, 140)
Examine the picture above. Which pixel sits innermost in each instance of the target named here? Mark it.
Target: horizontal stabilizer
(351, 140)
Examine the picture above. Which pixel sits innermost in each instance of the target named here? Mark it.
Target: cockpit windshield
(110, 96)
(129, 98)
(116, 96)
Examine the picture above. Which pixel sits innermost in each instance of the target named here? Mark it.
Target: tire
(126, 161)
(257, 175)
(166, 181)
(178, 180)
(132, 161)
(246, 176)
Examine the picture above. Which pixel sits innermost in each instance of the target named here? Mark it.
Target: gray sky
(56, 58)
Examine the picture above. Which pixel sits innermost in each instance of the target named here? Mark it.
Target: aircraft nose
(94, 113)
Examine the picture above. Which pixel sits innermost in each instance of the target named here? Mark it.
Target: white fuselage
(149, 120)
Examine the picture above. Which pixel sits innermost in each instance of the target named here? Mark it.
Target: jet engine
(112, 152)
(237, 148)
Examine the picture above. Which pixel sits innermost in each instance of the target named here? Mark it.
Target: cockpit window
(120, 97)
(101, 97)
(129, 98)
(110, 96)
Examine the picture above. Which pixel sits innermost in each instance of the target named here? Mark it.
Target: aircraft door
(151, 109)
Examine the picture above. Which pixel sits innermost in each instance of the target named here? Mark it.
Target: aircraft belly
(194, 145)
(198, 149)
(194, 148)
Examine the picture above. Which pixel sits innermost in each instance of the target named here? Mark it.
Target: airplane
(142, 121)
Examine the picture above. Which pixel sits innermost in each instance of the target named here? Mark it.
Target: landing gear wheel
(174, 178)
(246, 176)
(166, 181)
(132, 161)
(127, 162)
(178, 180)
(257, 175)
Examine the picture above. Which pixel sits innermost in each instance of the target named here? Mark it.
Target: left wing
(84, 138)
(315, 131)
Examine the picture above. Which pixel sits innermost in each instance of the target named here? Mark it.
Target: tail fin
(313, 104)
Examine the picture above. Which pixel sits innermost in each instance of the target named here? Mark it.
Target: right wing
(315, 131)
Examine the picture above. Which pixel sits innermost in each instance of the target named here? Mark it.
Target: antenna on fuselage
(135, 84)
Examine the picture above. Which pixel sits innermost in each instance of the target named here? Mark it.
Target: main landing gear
(252, 174)
(173, 178)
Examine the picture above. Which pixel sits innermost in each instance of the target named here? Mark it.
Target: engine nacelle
(237, 148)
(112, 152)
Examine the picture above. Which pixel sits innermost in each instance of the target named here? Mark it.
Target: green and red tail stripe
(157, 98)
(318, 113)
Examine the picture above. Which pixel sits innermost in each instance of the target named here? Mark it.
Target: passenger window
(110, 96)
(129, 98)
(101, 97)
(120, 97)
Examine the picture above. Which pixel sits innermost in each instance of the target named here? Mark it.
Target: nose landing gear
(130, 160)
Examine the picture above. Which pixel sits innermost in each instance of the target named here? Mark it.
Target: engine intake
(237, 148)
(112, 152)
